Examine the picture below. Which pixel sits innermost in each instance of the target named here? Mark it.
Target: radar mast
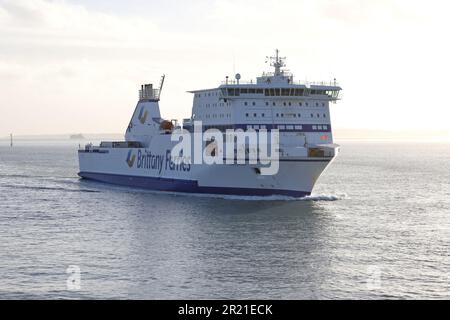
(277, 62)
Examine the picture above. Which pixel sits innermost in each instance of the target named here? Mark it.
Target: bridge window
(285, 92)
(233, 91)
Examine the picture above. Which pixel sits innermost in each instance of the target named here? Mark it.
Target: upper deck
(276, 84)
(273, 101)
(233, 89)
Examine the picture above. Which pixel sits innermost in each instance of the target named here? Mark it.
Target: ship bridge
(279, 83)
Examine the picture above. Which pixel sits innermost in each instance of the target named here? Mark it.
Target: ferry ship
(298, 111)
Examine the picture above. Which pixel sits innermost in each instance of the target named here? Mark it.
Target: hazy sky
(76, 66)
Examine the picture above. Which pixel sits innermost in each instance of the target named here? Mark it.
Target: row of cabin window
(263, 126)
(209, 94)
(208, 105)
(285, 104)
(287, 92)
(227, 115)
(320, 127)
(288, 127)
(290, 115)
(280, 127)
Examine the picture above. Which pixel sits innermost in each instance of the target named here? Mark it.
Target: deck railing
(149, 94)
(306, 83)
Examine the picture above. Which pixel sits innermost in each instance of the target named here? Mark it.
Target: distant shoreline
(87, 136)
(357, 135)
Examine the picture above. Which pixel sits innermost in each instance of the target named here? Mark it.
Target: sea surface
(376, 227)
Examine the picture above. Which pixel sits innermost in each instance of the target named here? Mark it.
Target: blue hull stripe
(188, 186)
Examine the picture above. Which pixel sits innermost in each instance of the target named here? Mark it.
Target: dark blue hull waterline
(186, 186)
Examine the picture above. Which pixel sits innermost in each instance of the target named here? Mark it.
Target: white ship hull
(295, 177)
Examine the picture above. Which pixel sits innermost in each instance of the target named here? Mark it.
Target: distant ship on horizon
(78, 136)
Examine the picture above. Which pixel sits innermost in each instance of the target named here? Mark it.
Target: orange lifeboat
(166, 125)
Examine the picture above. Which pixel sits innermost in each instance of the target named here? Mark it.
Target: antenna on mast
(161, 83)
(277, 62)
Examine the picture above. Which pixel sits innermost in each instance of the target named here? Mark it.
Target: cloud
(59, 23)
(62, 58)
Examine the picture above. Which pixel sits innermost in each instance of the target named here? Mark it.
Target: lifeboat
(166, 125)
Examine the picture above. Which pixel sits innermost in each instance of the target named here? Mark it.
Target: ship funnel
(148, 93)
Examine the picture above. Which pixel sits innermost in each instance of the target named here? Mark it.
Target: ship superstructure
(300, 112)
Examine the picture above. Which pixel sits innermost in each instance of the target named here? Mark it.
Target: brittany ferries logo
(143, 115)
(131, 158)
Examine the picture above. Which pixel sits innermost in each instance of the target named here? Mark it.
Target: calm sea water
(377, 227)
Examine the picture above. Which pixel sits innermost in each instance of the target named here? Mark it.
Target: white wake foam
(321, 197)
(325, 197)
